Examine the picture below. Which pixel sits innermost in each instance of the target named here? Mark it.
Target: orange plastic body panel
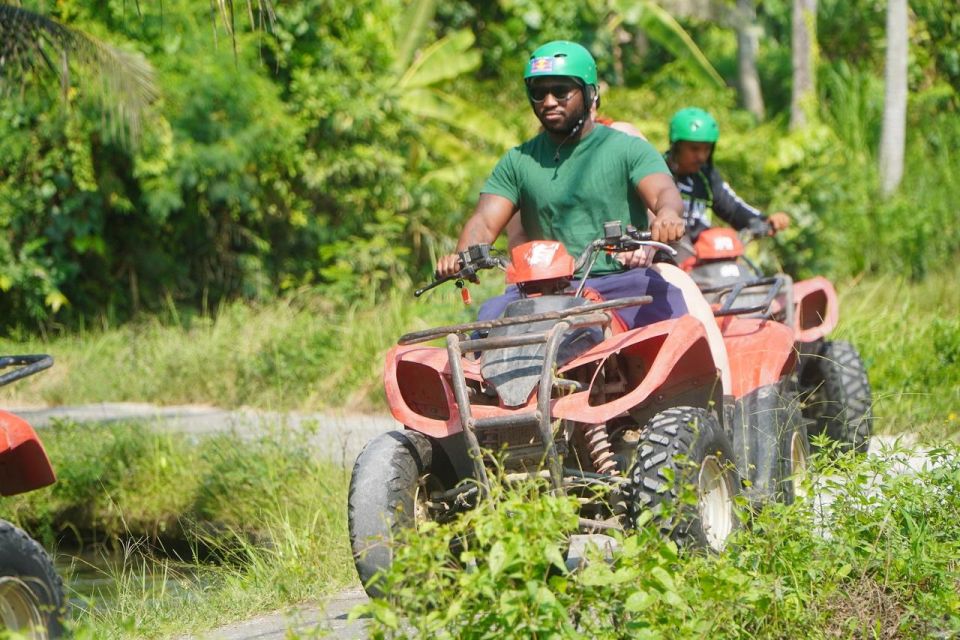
(718, 243)
(676, 355)
(816, 309)
(418, 378)
(539, 260)
(761, 352)
(23, 462)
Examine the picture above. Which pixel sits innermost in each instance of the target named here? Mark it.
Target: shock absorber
(601, 453)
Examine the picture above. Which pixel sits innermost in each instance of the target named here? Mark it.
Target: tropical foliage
(340, 149)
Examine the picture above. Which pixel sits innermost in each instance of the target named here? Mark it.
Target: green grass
(307, 354)
(881, 563)
(303, 353)
(259, 523)
(909, 336)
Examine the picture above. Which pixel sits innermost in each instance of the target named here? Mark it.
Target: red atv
(831, 378)
(31, 592)
(558, 387)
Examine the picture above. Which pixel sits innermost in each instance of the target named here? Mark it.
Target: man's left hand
(667, 227)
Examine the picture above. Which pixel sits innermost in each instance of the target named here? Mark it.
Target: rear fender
(24, 465)
(761, 352)
(673, 355)
(816, 309)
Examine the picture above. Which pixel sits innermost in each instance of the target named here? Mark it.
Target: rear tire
(836, 396)
(680, 447)
(387, 496)
(31, 591)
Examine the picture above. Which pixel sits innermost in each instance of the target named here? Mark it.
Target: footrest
(513, 420)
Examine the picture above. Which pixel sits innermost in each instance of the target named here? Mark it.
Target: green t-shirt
(568, 199)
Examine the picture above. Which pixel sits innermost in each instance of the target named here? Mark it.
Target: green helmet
(694, 125)
(562, 58)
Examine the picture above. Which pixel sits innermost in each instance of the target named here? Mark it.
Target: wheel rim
(19, 609)
(715, 502)
(798, 465)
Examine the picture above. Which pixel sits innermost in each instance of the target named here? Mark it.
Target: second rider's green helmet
(694, 125)
(562, 58)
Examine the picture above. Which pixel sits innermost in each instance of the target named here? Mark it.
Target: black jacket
(705, 193)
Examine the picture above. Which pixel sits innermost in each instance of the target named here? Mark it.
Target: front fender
(24, 465)
(676, 358)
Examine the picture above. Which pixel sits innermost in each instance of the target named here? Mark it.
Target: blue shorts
(667, 299)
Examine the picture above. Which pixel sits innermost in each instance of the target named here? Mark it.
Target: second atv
(831, 378)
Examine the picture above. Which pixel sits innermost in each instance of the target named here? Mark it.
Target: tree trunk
(747, 43)
(804, 56)
(893, 136)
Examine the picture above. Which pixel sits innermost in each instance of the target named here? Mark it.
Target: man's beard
(570, 122)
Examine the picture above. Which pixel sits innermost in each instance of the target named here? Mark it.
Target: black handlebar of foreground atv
(480, 256)
(29, 365)
(616, 240)
(476, 258)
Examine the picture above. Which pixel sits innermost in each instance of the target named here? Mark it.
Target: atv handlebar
(475, 258)
(29, 365)
(615, 240)
(480, 256)
(758, 228)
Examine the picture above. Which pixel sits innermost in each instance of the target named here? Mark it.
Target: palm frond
(445, 59)
(412, 29)
(225, 10)
(31, 44)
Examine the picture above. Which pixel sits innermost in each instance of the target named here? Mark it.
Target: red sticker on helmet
(541, 65)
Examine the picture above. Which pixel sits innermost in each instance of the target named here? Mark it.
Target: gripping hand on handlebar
(759, 228)
(778, 221)
(667, 226)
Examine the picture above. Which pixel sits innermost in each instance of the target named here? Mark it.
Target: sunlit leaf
(445, 59)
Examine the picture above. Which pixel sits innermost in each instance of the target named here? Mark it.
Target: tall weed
(197, 532)
(861, 560)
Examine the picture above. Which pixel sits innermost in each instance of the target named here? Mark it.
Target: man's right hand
(778, 221)
(448, 265)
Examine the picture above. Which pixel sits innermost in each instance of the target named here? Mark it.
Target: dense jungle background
(231, 203)
(336, 147)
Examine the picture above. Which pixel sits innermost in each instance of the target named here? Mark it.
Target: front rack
(459, 341)
(485, 325)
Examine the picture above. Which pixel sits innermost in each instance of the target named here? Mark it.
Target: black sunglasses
(561, 92)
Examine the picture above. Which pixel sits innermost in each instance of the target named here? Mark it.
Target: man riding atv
(693, 138)
(611, 395)
(574, 176)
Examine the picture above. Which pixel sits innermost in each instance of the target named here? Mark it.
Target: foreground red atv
(31, 592)
(832, 380)
(558, 387)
